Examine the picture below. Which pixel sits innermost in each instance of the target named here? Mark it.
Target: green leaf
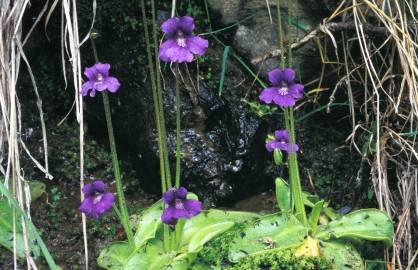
(315, 214)
(282, 195)
(210, 217)
(114, 256)
(343, 255)
(269, 232)
(150, 221)
(369, 224)
(206, 234)
(6, 240)
(151, 257)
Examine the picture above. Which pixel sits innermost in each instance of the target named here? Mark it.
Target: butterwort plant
(99, 79)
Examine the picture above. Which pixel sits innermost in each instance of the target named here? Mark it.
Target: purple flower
(96, 201)
(99, 80)
(284, 90)
(181, 43)
(179, 206)
(281, 142)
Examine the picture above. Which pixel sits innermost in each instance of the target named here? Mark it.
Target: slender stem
(208, 15)
(160, 98)
(173, 8)
(116, 169)
(280, 34)
(124, 215)
(178, 141)
(289, 30)
(157, 116)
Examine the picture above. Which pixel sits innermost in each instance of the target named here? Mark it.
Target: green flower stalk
(99, 80)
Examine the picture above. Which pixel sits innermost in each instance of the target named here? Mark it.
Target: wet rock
(258, 35)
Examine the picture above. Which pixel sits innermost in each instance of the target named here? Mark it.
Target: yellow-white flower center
(181, 41)
(99, 78)
(284, 90)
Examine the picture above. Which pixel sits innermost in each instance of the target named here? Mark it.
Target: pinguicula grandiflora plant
(170, 233)
(96, 200)
(323, 233)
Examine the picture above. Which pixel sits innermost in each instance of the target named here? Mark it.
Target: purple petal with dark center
(112, 84)
(281, 135)
(169, 196)
(268, 94)
(178, 54)
(193, 207)
(99, 186)
(86, 87)
(187, 24)
(289, 75)
(296, 90)
(181, 193)
(171, 26)
(91, 73)
(168, 217)
(275, 76)
(284, 101)
(162, 54)
(103, 69)
(197, 45)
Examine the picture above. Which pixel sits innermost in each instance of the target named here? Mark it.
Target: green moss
(216, 251)
(281, 260)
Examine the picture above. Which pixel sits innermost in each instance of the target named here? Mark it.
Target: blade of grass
(321, 108)
(224, 64)
(51, 263)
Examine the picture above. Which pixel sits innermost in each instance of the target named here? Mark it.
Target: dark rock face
(257, 33)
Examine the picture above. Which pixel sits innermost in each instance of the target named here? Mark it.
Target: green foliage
(6, 223)
(281, 260)
(269, 232)
(369, 224)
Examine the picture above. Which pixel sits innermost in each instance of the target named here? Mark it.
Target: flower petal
(284, 101)
(91, 72)
(105, 203)
(187, 24)
(112, 84)
(287, 148)
(100, 86)
(281, 135)
(296, 90)
(93, 93)
(193, 207)
(86, 87)
(197, 45)
(271, 145)
(179, 54)
(98, 185)
(181, 193)
(275, 76)
(103, 69)
(168, 217)
(169, 196)
(162, 54)
(87, 206)
(268, 94)
(289, 75)
(171, 26)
